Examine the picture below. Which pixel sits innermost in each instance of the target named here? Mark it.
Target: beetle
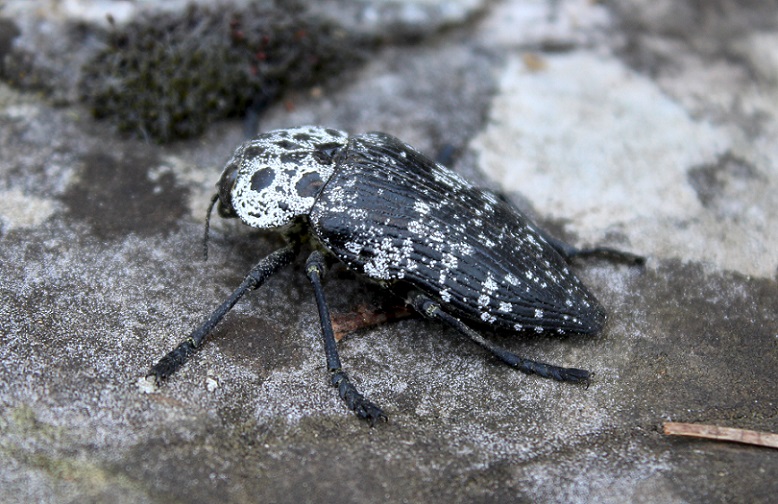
(455, 253)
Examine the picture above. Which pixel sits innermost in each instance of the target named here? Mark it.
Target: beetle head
(276, 177)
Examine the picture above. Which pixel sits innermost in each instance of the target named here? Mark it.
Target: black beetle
(452, 251)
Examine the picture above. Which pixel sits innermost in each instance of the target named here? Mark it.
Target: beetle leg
(314, 268)
(255, 278)
(569, 252)
(432, 309)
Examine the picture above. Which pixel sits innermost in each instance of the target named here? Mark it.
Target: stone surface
(648, 126)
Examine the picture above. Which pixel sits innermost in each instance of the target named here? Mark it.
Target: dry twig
(730, 434)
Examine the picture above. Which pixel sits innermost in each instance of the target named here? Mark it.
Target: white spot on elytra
(450, 261)
(463, 249)
(354, 248)
(486, 241)
(417, 228)
(421, 207)
(489, 284)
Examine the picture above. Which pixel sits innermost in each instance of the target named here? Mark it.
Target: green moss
(169, 75)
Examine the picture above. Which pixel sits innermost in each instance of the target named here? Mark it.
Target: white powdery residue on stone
(18, 210)
(612, 151)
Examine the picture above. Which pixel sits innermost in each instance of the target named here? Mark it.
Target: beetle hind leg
(432, 309)
(569, 251)
(356, 402)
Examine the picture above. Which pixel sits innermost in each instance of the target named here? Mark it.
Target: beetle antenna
(214, 199)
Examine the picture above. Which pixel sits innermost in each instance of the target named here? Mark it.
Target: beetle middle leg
(314, 268)
(432, 309)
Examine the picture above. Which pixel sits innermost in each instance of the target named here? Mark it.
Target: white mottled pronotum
(278, 174)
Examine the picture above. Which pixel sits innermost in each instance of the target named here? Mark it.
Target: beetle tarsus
(355, 401)
(570, 252)
(572, 375)
(170, 363)
(611, 254)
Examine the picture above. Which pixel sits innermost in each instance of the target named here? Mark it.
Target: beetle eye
(225, 186)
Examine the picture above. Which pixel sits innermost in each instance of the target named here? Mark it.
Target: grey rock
(613, 125)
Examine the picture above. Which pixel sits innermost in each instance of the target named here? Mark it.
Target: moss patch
(167, 76)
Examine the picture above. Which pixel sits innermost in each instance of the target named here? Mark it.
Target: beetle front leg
(432, 309)
(268, 266)
(314, 268)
